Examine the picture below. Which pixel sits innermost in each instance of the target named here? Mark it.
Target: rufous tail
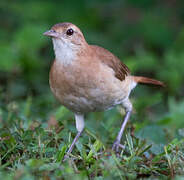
(145, 80)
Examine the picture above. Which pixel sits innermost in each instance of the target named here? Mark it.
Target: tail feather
(145, 80)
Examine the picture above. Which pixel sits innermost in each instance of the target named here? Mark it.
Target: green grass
(33, 145)
(148, 36)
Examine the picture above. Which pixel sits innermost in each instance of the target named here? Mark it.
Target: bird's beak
(51, 33)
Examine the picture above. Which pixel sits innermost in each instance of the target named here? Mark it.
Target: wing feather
(106, 57)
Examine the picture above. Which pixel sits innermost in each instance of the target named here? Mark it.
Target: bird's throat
(64, 52)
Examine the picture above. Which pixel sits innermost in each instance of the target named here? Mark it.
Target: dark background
(147, 35)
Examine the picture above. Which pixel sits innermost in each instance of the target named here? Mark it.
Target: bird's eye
(69, 32)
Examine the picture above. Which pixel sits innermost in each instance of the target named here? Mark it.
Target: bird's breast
(86, 88)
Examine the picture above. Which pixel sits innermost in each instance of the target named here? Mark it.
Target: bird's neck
(66, 53)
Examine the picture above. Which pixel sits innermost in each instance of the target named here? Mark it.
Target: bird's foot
(66, 156)
(115, 147)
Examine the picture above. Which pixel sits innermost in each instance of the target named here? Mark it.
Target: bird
(87, 78)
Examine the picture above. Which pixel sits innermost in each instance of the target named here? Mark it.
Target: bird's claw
(65, 157)
(115, 147)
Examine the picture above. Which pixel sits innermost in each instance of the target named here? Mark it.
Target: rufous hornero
(88, 78)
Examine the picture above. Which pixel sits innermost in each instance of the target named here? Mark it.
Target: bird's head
(67, 39)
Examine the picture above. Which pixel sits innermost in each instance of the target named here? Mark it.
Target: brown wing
(120, 69)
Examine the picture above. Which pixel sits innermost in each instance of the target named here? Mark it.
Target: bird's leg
(116, 145)
(79, 119)
(73, 143)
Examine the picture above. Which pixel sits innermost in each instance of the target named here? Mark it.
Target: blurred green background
(148, 36)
